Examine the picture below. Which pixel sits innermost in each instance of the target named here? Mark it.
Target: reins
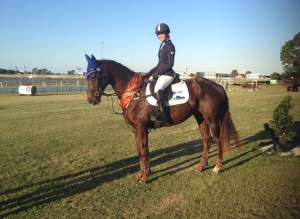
(112, 110)
(121, 94)
(101, 92)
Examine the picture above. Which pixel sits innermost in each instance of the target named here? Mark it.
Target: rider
(163, 71)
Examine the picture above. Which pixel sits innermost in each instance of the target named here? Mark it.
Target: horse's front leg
(141, 137)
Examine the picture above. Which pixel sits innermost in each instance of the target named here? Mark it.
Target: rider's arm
(166, 65)
(152, 71)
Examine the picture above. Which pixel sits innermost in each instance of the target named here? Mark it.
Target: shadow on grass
(58, 94)
(262, 135)
(40, 193)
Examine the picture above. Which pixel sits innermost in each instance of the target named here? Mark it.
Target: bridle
(100, 89)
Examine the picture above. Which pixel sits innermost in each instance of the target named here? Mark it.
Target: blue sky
(216, 35)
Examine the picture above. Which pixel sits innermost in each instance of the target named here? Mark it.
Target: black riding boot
(162, 113)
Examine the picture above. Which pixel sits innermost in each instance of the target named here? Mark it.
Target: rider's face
(162, 37)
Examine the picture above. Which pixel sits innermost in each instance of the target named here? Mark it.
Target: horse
(208, 103)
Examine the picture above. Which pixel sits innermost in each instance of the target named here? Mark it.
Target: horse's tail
(227, 129)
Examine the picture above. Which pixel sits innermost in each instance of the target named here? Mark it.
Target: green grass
(63, 158)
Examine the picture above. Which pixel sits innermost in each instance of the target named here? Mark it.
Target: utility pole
(78, 73)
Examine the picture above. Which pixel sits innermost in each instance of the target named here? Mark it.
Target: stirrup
(158, 119)
(158, 124)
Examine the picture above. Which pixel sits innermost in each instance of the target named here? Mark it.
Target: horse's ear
(87, 58)
(93, 57)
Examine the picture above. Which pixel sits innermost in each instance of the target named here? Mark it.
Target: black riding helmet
(162, 28)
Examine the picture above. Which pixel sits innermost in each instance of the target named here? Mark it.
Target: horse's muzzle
(94, 101)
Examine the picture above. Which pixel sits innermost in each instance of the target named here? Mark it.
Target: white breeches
(162, 82)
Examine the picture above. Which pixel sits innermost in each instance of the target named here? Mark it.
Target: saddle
(176, 93)
(168, 93)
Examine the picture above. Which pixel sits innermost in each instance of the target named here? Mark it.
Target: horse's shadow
(85, 180)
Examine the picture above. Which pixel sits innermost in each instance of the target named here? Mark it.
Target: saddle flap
(168, 93)
(176, 94)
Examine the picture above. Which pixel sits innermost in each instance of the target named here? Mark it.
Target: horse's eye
(93, 77)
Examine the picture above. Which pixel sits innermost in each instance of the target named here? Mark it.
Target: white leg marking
(216, 169)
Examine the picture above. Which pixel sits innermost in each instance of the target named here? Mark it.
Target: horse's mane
(119, 65)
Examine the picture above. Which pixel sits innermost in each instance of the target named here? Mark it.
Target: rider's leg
(162, 82)
(162, 113)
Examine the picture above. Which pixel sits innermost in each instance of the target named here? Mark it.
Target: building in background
(210, 74)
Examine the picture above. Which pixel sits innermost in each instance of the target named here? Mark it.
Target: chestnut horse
(208, 103)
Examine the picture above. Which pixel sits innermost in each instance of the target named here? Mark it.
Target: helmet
(162, 28)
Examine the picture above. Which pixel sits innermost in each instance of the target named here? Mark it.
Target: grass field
(63, 158)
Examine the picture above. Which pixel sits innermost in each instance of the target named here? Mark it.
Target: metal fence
(62, 89)
(13, 90)
(10, 84)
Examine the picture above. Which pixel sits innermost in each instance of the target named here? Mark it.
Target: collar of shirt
(163, 43)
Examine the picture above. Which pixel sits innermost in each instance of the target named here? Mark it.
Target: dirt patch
(271, 145)
(295, 151)
(283, 149)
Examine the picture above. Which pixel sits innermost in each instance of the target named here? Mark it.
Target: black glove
(151, 72)
(155, 75)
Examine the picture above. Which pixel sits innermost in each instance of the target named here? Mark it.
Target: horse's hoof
(198, 171)
(140, 182)
(200, 168)
(143, 180)
(139, 175)
(213, 173)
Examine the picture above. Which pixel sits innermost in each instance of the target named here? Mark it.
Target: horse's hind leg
(215, 129)
(206, 138)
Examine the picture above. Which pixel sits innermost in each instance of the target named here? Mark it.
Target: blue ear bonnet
(92, 65)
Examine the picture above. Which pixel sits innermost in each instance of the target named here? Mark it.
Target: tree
(198, 74)
(34, 71)
(42, 71)
(234, 73)
(275, 76)
(247, 72)
(290, 57)
(4, 71)
(71, 72)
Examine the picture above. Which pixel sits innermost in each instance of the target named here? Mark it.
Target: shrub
(283, 123)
